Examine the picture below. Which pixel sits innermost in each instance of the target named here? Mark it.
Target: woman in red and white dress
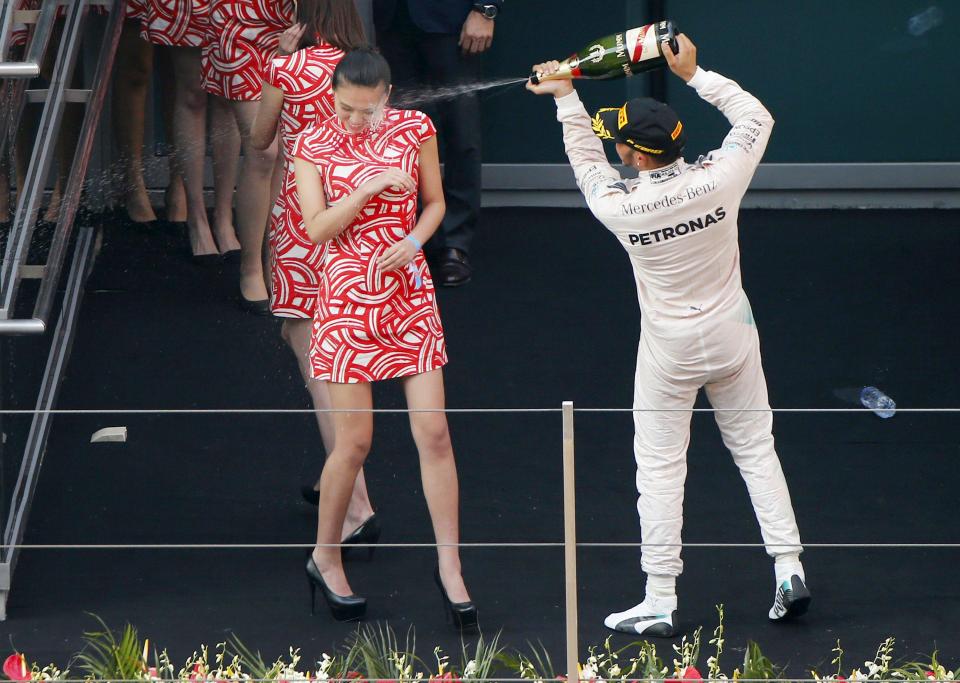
(133, 68)
(244, 36)
(180, 27)
(359, 175)
(297, 90)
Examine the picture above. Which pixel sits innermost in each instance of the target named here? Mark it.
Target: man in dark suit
(438, 43)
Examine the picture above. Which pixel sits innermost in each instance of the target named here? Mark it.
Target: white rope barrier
(311, 411)
(544, 544)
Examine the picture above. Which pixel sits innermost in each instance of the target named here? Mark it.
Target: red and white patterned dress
(371, 325)
(244, 35)
(306, 80)
(176, 23)
(19, 32)
(136, 10)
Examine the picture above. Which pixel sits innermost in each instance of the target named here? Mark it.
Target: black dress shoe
(455, 268)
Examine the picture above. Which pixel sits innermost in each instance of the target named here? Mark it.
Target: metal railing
(30, 195)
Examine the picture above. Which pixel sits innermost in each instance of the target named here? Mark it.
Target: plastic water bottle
(878, 402)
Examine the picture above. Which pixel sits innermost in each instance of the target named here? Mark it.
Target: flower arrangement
(375, 654)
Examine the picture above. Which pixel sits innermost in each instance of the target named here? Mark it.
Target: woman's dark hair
(364, 67)
(335, 21)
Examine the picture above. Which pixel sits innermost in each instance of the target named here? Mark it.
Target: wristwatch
(487, 9)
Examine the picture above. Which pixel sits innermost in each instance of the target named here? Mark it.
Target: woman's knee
(260, 161)
(193, 100)
(354, 433)
(351, 450)
(432, 436)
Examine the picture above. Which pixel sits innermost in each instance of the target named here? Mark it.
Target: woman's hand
(290, 39)
(392, 178)
(397, 255)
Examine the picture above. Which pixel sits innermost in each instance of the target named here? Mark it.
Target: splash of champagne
(407, 99)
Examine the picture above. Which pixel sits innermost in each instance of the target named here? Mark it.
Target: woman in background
(296, 91)
(244, 36)
(180, 27)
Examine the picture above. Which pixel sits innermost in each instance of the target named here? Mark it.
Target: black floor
(842, 299)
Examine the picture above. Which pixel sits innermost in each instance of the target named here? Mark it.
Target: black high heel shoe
(463, 615)
(342, 607)
(365, 534)
(255, 306)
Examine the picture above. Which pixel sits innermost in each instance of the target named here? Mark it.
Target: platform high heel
(364, 535)
(342, 607)
(463, 615)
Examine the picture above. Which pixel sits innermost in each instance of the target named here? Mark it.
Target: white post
(570, 543)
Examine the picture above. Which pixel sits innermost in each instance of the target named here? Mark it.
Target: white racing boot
(652, 617)
(791, 599)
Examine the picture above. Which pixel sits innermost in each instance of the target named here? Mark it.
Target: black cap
(643, 124)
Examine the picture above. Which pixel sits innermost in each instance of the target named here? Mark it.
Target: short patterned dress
(175, 23)
(136, 9)
(369, 324)
(306, 80)
(243, 38)
(19, 32)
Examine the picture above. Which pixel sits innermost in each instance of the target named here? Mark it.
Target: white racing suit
(679, 226)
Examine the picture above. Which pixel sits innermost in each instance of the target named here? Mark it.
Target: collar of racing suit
(662, 174)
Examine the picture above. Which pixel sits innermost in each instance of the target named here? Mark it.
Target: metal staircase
(15, 267)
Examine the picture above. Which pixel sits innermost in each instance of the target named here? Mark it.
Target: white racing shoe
(652, 617)
(791, 600)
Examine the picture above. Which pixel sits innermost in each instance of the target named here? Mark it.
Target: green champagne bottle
(622, 54)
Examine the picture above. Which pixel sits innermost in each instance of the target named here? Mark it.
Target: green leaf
(104, 656)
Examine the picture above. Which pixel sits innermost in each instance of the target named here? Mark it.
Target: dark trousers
(420, 59)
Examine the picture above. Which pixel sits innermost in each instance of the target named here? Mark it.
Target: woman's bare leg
(131, 79)
(297, 335)
(189, 129)
(276, 185)
(353, 433)
(70, 124)
(438, 471)
(175, 197)
(225, 137)
(253, 203)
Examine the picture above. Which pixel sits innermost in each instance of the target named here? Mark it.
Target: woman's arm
(401, 253)
(268, 113)
(324, 222)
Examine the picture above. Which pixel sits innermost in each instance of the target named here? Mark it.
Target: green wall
(847, 81)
